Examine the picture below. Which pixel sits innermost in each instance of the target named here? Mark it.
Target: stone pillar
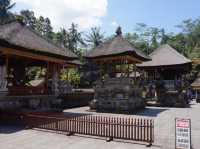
(55, 84)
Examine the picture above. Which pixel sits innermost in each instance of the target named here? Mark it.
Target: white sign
(183, 133)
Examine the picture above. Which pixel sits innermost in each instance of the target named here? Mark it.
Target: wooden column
(47, 78)
(128, 71)
(7, 70)
(134, 68)
(101, 71)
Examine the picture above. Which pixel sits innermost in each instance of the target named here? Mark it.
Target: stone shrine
(113, 93)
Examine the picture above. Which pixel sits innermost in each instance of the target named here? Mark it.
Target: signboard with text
(183, 133)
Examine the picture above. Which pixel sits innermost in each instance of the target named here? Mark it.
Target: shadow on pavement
(71, 114)
(151, 111)
(8, 129)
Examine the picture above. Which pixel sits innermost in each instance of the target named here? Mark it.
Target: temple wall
(30, 103)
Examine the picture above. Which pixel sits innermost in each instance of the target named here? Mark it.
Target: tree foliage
(5, 7)
(95, 37)
(72, 76)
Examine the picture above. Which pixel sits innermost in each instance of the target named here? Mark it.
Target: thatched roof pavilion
(167, 63)
(22, 48)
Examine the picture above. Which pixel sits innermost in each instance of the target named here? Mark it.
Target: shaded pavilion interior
(22, 48)
(112, 93)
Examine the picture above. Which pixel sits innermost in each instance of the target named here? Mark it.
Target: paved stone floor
(16, 138)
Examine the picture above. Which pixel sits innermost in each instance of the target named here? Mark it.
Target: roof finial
(119, 31)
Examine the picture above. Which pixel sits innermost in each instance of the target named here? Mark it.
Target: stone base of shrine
(29, 103)
(119, 106)
(117, 95)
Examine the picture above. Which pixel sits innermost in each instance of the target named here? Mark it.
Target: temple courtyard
(16, 138)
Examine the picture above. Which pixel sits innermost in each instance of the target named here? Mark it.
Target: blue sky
(157, 13)
(110, 13)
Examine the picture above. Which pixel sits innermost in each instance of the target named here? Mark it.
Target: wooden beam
(68, 65)
(130, 59)
(9, 51)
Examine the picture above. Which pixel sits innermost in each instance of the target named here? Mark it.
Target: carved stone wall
(117, 94)
(64, 87)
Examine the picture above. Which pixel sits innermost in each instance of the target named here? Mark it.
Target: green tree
(40, 25)
(164, 37)
(28, 18)
(5, 14)
(61, 37)
(132, 37)
(48, 30)
(154, 34)
(74, 38)
(179, 43)
(95, 37)
(72, 76)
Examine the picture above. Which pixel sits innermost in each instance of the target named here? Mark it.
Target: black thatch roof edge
(48, 40)
(119, 54)
(163, 66)
(8, 45)
(137, 53)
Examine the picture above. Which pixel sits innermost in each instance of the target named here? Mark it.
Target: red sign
(182, 123)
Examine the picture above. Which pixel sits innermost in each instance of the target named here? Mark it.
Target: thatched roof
(165, 55)
(114, 47)
(18, 35)
(196, 83)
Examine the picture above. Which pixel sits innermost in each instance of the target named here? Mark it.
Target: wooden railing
(109, 127)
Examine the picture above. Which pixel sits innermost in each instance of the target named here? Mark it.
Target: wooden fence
(109, 127)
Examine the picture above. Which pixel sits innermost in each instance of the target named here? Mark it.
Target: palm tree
(5, 6)
(95, 37)
(74, 38)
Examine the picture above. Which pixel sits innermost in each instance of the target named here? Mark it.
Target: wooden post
(120, 68)
(128, 71)
(7, 70)
(101, 71)
(67, 75)
(134, 69)
(46, 78)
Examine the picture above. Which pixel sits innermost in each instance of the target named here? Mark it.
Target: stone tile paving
(15, 138)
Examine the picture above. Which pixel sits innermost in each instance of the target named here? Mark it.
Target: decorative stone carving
(64, 87)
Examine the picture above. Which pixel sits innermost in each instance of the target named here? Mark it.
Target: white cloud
(114, 24)
(62, 13)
